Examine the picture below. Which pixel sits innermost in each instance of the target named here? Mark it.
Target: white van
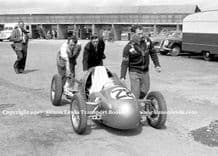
(200, 34)
(6, 32)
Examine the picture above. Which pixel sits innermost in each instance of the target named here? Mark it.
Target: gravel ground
(189, 85)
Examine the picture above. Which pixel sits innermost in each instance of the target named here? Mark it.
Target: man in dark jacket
(136, 59)
(20, 38)
(101, 48)
(93, 54)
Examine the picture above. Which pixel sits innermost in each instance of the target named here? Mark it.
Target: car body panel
(173, 40)
(6, 32)
(122, 108)
(119, 107)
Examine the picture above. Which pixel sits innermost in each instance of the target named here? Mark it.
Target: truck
(200, 34)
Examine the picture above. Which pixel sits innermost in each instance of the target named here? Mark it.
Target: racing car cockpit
(99, 78)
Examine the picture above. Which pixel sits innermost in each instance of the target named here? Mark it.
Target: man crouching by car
(66, 62)
(136, 59)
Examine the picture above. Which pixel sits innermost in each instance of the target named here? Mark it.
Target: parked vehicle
(6, 32)
(172, 44)
(158, 38)
(125, 36)
(200, 34)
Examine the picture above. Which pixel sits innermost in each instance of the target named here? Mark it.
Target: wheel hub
(53, 91)
(207, 54)
(153, 110)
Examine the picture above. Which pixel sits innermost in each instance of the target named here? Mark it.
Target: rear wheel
(157, 110)
(56, 90)
(176, 50)
(207, 56)
(78, 114)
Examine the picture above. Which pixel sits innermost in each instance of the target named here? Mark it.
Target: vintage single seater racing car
(102, 96)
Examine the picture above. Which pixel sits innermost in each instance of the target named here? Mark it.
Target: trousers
(140, 84)
(20, 63)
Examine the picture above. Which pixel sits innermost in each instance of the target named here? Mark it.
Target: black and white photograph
(108, 78)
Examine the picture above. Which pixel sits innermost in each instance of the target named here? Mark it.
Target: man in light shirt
(20, 44)
(66, 62)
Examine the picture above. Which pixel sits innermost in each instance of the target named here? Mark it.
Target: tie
(23, 36)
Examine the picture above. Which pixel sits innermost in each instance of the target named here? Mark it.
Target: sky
(46, 4)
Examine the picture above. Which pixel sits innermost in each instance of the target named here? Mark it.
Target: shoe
(16, 71)
(21, 71)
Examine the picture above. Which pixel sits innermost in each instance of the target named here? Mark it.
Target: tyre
(163, 52)
(157, 110)
(56, 90)
(78, 114)
(155, 44)
(176, 50)
(207, 56)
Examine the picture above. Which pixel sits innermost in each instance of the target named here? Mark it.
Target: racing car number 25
(121, 93)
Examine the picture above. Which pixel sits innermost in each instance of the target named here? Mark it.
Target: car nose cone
(123, 115)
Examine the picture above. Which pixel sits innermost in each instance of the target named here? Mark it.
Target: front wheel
(78, 114)
(157, 110)
(56, 90)
(176, 50)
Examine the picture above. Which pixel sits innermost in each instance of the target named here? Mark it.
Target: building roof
(170, 9)
(149, 9)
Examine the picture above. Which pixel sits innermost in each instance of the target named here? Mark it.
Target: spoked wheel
(157, 110)
(78, 114)
(56, 90)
